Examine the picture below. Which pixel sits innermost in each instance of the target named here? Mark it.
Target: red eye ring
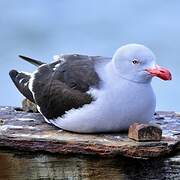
(135, 61)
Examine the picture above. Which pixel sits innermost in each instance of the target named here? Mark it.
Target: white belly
(114, 110)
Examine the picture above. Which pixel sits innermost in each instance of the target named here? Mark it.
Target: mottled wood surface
(28, 131)
(19, 165)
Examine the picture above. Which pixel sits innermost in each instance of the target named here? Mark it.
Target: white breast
(119, 103)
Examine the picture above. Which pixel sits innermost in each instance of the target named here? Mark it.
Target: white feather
(119, 103)
(125, 96)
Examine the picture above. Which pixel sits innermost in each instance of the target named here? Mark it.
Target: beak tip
(160, 72)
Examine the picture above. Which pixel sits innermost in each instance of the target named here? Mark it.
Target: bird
(94, 94)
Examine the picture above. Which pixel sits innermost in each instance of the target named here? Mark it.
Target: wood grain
(28, 131)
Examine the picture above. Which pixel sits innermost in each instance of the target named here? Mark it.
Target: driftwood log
(28, 131)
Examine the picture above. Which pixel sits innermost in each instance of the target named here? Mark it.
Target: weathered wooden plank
(28, 131)
(21, 165)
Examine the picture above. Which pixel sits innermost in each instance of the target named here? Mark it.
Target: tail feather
(32, 61)
(21, 81)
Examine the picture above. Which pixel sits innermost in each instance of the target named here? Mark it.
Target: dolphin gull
(90, 94)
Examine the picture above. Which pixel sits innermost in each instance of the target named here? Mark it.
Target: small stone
(29, 106)
(144, 132)
(1, 122)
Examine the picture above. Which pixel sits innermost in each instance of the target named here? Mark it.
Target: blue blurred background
(43, 28)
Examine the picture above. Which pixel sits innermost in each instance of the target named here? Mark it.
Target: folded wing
(61, 85)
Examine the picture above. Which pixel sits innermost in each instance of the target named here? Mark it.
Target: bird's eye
(135, 61)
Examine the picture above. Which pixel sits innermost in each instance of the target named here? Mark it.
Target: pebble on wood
(29, 106)
(144, 132)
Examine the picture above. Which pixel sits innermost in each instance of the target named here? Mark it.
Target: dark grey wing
(61, 85)
(64, 86)
(21, 81)
(78, 71)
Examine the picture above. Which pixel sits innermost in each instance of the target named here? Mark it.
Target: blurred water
(43, 28)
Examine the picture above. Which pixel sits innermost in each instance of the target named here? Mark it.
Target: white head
(137, 63)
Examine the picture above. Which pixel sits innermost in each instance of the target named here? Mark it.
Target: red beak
(160, 72)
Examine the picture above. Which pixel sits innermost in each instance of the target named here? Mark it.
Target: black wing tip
(23, 57)
(32, 61)
(16, 78)
(13, 73)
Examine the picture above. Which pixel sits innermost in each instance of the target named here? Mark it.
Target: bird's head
(137, 63)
